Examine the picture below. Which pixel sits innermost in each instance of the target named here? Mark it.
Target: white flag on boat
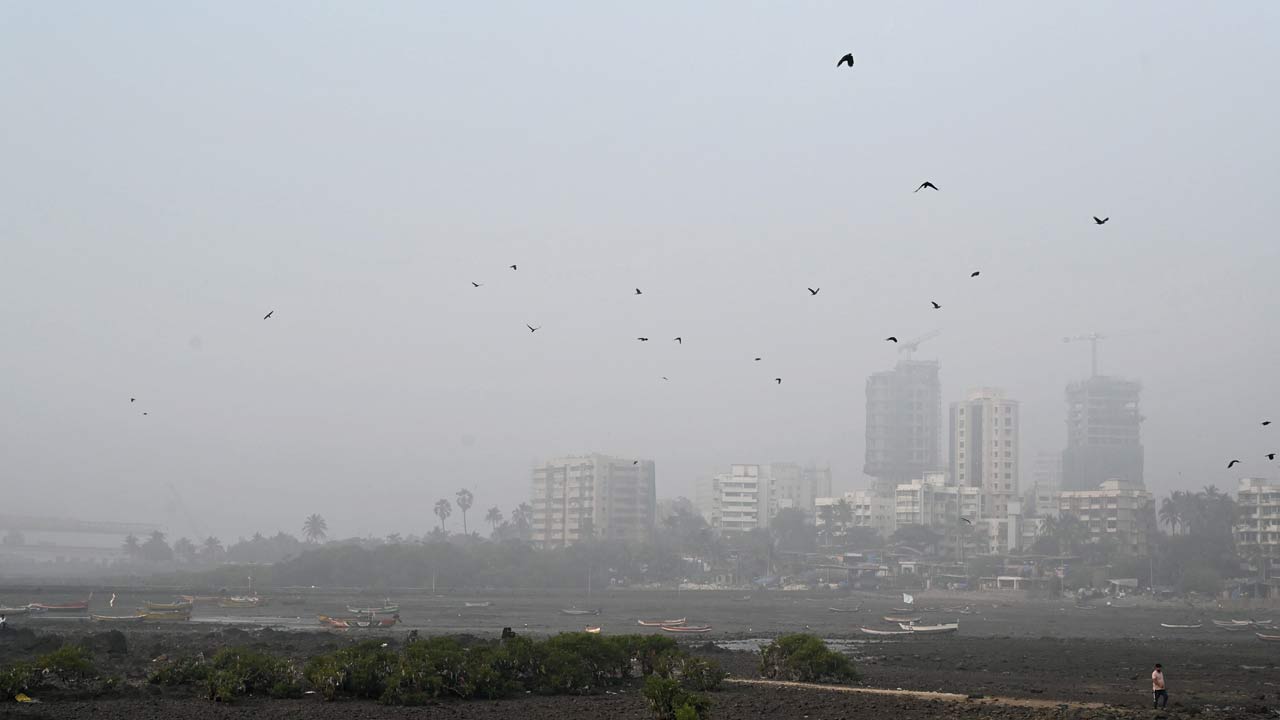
(907, 599)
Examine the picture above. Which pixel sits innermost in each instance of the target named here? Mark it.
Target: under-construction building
(1103, 439)
(904, 423)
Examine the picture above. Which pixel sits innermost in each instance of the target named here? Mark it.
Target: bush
(359, 671)
(18, 678)
(238, 672)
(804, 658)
(581, 663)
(70, 664)
(183, 671)
(669, 701)
(700, 674)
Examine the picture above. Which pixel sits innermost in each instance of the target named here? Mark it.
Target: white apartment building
(1257, 530)
(984, 448)
(931, 502)
(735, 501)
(868, 508)
(790, 485)
(593, 496)
(1115, 509)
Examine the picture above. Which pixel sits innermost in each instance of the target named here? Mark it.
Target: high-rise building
(1103, 439)
(735, 501)
(790, 485)
(593, 496)
(1039, 499)
(904, 418)
(1257, 530)
(984, 448)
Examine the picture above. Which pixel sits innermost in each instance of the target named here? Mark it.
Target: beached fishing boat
(696, 629)
(14, 611)
(117, 618)
(939, 629)
(201, 599)
(167, 616)
(571, 611)
(663, 623)
(872, 631)
(242, 601)
(78, 606)
(343, 623)
(593, 629)
(900, 619)
(844, 610)
(1232, 624)
(161, 607)
(1172, 626)
(1268, 638)
(481, 604)
(386, 609)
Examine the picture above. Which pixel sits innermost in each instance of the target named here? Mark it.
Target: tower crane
(1093, 339)
(910, 346)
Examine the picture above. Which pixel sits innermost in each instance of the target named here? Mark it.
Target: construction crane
(910, 346)
(1093, 339)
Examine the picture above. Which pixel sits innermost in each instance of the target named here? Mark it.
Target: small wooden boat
(1231, 624)
(663, 623)
(14, 611)
(242, 601)
(697, 629)
(118, 618)
(1171, 626)
(169, 606)
(201, 599)
(903, 610)
(872, 631)
(571, 611)
(900, 619)
(481, 604)
(167, 615)
(345, 623)
(939, 629)
(593, 629)
(386, 609)
(78, 606)
(1268, 638)
(844, 610)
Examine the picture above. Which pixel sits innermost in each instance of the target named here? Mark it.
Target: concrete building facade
(1103, 438)
(790, 485)
(736, 501)
(985, 448)
(593, 496)
(1257, 529)
(1114, 509)
(868, 509)
(931, 502)
(904, 419)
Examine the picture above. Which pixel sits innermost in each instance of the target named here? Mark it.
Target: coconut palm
(131, 546)
(211, 548)
(184, 550)
(465, 500)
(493, 517)
(443, 510)
(314, 528)
(1169, 511)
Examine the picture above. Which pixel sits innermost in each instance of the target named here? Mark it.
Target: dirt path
(919, 694)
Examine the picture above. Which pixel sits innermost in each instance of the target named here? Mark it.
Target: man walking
(1159, 696)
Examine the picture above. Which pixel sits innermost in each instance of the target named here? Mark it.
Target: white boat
(483, 603)
(871, 631)
(1232, 623)
(1171, 626)
(844, 610)
(572, 611)
(939, 629)
(663, 623)
(14, 611)
(900, 619)
(593, 629)
(687, 628)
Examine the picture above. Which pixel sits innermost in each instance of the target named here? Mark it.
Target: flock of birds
(847, 59)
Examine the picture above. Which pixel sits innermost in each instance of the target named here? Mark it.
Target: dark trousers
(1159, 698)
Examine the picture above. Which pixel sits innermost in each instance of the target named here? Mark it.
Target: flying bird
(1271, 456)
(848, 58)
(778, 380)
(476, 284)
(132, 399)
(664, 377)
(1266, 423)
(966, 520)
(144, 413)
(635, 462)
(513, 267)
(532, 328)
(975, 273)
(759, 359)
(813, 291)
(926, 184)
(638, 291)
(1100, 221)
(1230, 464)
(891, 339)
(936, 306)
(679, 340)
(268, 315)
(643, 339)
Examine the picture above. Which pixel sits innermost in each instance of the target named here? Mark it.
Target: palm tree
(1169, 512)
(493, 517)
(522, 518)
(844, 515)
(314, 528)
(131, 546)
(212, 548)
(827, 514)
(443, 510)
(465, 500)
(184, 550)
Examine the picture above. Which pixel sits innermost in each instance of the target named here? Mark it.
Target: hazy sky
(169, 172)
